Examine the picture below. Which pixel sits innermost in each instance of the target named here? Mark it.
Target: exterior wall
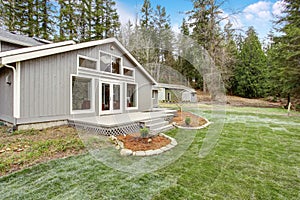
(144, 91)
(161, 94)
(45, 86)
(194, 97)
(186, 96)
(176, 95)
(6, 95)
(5, 46)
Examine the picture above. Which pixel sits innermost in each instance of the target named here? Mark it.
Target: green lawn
(257, 156)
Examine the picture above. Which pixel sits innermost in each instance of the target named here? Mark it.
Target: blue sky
(243, 13)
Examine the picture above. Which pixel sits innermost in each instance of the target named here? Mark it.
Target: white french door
(110, 98)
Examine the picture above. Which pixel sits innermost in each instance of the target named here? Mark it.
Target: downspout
(16, 92)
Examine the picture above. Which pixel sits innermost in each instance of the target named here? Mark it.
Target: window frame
(129, 68)
(90, 59)
(92, 108)
(111, 55)
(136, 94)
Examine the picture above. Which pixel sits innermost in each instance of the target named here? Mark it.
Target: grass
(24, 148)
(257, 157)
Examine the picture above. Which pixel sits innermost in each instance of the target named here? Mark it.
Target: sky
(243, 13)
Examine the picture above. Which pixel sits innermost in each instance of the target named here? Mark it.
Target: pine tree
(250, 73)
(205, 19)
(45, 18)
(67, 19)
(146, 18)
(287, 45)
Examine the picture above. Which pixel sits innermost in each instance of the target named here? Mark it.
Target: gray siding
(6, 96)
(5, 46)
(45, 85)
(144, 91)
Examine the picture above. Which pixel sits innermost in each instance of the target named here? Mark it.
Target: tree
(205, 19)
(146, 18)
(250, 73)
(287, 48)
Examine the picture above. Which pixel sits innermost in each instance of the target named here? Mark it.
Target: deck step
(157, 125)
(152, 121)
(163, 129)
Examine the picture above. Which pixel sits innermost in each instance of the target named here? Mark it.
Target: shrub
(144, 132)
(187, 120)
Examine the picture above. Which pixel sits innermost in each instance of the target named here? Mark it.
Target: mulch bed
(136, 143)
(195, 120)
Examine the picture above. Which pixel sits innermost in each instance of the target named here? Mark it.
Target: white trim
(18, 93)
(92, 109)
(35, 48)
(137, 97)
(16, 89)
(111, 110)
(87, 58)
(47, 52)
(100, 75)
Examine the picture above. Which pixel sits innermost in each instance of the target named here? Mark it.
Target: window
(154, 94)
(81, 93)
(110, 63)
(86, 62)
(127, 72)
(131, 95)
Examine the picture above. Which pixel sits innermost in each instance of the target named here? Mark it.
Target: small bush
(144, 132)
(187, 120)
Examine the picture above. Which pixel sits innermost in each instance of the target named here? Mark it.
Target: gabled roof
(176, 87)
(61, 47)
(22, 40)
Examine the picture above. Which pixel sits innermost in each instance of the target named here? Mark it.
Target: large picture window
(81, 93)
(131, 95)
(110, 63)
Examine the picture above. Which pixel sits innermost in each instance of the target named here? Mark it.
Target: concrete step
(157, 125)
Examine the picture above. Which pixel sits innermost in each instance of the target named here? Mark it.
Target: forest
(248, 67)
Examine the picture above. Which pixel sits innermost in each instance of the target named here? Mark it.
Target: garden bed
(196, 122)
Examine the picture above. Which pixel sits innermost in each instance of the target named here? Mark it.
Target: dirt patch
(240, 101)
(136, 143)
(196, 121)
(22, 149)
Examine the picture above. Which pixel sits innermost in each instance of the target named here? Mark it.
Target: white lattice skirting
(108, 131)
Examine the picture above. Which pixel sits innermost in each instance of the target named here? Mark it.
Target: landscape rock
(126, 152)
(140, 153)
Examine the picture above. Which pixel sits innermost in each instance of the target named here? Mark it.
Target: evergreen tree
(67, 19)
(230, 57)
(287, 48)
(250, 73)
(146, 19)
(205, 19)
(43, 23)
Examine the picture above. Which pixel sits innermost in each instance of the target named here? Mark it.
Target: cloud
(233, 18)
(260, 11)
(278, 8)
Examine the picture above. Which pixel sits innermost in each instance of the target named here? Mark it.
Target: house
(52, 83)
(175, 93)
(10, 41)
